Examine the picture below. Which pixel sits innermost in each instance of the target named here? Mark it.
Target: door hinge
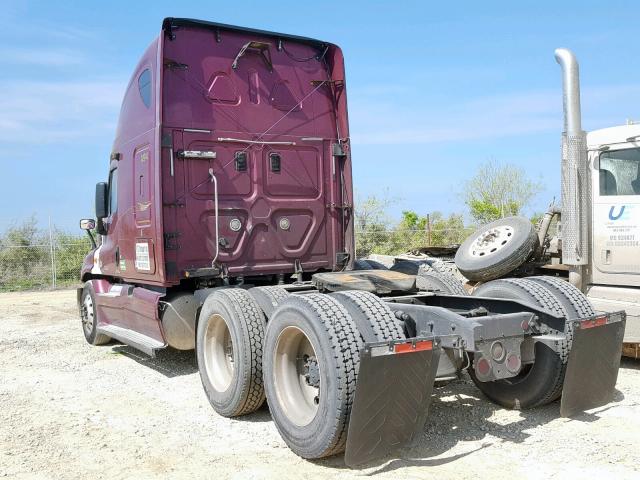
(345, 206)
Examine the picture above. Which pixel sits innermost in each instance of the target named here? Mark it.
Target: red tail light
(596, 322)
(413, 347)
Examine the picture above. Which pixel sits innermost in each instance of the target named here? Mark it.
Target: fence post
(428, 230)
(53, 256)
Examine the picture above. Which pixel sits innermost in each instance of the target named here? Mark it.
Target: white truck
(613, 273)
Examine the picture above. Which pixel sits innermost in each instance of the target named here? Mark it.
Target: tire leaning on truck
(497, 249)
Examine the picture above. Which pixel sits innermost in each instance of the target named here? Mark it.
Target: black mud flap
(392, 397)
(593, 363)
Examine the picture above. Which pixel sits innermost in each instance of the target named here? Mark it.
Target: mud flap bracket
(392, 398)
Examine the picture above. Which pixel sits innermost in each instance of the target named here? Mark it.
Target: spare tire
(496, 249)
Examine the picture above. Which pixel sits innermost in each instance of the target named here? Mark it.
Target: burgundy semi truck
(226, 226)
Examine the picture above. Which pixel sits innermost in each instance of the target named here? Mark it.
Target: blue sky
(434, 89)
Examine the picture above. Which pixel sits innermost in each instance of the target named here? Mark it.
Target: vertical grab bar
(214, 180)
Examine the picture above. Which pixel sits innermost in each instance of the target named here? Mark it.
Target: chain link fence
(54, 259)
(43, 265)
(396, 241)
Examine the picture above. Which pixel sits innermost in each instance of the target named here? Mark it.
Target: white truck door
(616, 215)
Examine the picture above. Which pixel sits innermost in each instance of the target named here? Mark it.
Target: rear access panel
(593, 363)
(265, 194)
(392, 397)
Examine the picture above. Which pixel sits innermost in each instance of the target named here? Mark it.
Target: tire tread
(346, 343)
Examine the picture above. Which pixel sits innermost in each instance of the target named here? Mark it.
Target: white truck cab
(613, 273)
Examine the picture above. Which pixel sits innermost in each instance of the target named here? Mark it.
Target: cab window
(144, 87)
(620, 172)
(113, 191)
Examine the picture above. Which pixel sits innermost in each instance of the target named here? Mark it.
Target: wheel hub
(297, 376)
(490, 241)
(87, 315)
(312, 375)
(218, 353)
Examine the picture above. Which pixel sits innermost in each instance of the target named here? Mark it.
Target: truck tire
(373, 317)
(573, 300)
(367, 264)
(439, 282)
(89, 317)
(268, 298)
(376, 265)
(496, 249)
(361, 264)
(541, 382)
(408, 267)
(310, 400)
(229, 343)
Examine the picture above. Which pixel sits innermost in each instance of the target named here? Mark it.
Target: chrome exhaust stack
(576, 188)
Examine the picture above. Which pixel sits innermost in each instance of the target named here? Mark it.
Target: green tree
(25, 257)
(372, 224)
(25, 260)
(449, 230)
(497, 191)
(70, 251)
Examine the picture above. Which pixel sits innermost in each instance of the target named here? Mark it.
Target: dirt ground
(69, 410)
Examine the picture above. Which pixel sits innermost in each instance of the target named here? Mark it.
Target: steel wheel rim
(88, 315)
(218, 353)
(491, 241)
(299, 400)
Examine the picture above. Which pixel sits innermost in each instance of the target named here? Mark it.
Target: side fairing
(133, 248)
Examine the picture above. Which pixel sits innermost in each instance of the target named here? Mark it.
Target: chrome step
(134, 339)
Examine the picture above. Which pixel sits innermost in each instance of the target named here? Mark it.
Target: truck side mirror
(101, 200)
(87, 224)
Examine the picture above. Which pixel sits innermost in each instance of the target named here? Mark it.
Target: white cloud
(41, 56)
(45, 112)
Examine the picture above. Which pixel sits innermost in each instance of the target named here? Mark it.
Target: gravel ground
(68, 410)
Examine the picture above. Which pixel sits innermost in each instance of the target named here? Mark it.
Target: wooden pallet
(631, 350)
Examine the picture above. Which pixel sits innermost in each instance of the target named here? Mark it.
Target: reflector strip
(596, 322)
(413, 347)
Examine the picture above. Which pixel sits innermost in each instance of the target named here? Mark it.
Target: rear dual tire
(229, 345)
(312, 415)
(432, 280)
(268, 298)
(312, 423)
(541, 382)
